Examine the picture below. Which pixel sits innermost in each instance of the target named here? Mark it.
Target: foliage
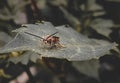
(78, 57)
(76, 46)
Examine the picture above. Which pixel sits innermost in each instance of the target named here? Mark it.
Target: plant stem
(36, 10)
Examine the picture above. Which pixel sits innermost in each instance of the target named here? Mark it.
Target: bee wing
(39, 29)
(21, 42)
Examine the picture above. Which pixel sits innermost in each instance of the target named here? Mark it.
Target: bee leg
(60, 45)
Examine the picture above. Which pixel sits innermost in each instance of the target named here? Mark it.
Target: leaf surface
(76, 47)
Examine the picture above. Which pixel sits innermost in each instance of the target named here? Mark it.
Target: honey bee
(51, 40)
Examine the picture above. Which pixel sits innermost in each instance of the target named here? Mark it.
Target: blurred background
(99, 19)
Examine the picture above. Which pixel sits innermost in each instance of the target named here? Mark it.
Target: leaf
(102, 26)
(20, 43)
(113, 1)
(77, 47)
(25, 58)
(4, 38)
(40, 29)
(93, 7)
(58, 2)
(71, 18)
(14, 11)
(89, 67)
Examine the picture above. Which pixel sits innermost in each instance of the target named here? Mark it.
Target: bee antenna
(51, 35)
(34, 35)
